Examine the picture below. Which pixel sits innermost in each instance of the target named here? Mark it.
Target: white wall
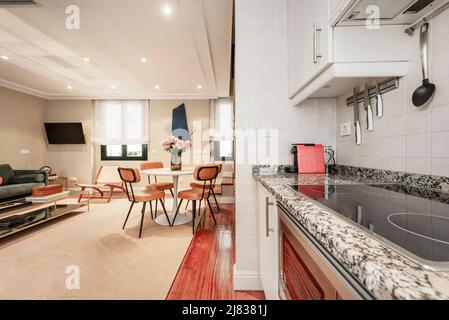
(407, 139)
(21, 128)
(72, 160)
(261, 91)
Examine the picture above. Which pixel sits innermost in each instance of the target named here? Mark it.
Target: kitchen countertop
(383, 271)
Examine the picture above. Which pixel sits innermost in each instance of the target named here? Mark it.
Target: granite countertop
(383, 271)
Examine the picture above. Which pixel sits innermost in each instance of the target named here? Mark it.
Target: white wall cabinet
(268, 243)
(326, 61)
(309, 34)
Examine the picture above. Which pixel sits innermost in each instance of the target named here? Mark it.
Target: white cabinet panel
(359, 44)
(268, 244)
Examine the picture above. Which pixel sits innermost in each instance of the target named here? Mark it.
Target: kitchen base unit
(307, 271)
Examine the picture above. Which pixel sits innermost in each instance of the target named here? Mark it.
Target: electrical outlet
(25, 151)
(345, 129)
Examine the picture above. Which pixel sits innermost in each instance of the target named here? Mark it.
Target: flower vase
(176, 161)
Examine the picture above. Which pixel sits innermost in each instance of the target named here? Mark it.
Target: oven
(307, 271)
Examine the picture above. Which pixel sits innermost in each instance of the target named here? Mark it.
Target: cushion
(27, 178)
(6, 172)
(1, 180)
(17, 190)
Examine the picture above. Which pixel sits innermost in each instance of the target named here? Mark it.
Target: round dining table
(167, 172)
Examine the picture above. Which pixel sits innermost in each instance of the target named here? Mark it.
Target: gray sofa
(19, 183)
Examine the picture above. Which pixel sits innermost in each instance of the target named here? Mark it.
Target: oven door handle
(268, 204)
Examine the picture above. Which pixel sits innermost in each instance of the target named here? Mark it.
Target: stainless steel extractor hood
(390, 12)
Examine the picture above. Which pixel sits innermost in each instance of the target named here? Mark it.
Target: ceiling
(187, 52)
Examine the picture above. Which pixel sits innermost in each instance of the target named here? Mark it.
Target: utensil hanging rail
(410, 31)
(385, 86)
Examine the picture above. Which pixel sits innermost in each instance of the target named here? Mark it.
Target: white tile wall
(261, 71)
(407, 139)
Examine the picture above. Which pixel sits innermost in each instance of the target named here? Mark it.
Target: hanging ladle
(424, 94)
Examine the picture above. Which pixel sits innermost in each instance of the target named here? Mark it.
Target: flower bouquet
(176, 147)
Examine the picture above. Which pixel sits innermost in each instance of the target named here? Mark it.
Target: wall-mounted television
(65, 133)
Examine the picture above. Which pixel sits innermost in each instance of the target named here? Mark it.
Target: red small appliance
(311, 159)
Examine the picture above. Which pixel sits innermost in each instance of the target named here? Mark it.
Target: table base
(182, 218)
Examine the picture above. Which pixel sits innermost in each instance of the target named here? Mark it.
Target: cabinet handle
(316, 55)
(283, 281)
(267, 216)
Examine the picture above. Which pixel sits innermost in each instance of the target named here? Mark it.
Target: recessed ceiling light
(157, 87)
(5, 57)
(143, 60)
(113, 87)
(86, 59)
(69, 87)
(167, 10)
(199, 87)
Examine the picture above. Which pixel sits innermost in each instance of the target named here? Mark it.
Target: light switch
(345, 129)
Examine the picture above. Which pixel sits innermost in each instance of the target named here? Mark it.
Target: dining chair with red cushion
(158, 186)
(199, 185)
(131, 176)
(204, 175)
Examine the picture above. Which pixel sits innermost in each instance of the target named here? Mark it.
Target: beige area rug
(113, 264)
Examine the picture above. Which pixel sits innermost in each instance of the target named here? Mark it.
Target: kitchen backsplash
(406, 139)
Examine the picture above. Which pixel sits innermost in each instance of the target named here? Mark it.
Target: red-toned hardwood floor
(206, 271)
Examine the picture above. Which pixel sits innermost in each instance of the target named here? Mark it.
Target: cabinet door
(309, 37)
(324, 37)
(268, 245)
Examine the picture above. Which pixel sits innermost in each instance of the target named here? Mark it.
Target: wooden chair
(107, 179)
(199, 185)
(158, 186)
(130, 176)
(206, 175)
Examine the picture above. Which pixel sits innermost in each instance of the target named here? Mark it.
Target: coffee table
(33, 214)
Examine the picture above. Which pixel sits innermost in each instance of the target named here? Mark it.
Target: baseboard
(247, 281)
(226, 200)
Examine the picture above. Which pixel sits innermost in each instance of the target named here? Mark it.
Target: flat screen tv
(65, 133)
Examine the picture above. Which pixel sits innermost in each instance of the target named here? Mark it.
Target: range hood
(392, 12)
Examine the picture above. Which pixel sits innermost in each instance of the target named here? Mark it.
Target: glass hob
(414, 220)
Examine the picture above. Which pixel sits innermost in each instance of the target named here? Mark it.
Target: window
(130, 152)
(223, 151)
(223, 132)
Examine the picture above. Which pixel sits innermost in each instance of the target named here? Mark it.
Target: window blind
(121, 122)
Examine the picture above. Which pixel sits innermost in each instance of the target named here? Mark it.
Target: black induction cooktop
(414, 220)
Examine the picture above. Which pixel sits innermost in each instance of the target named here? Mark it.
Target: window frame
(124, 157)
